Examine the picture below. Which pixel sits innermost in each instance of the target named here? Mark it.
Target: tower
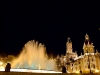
(88, 45)
(69, 46)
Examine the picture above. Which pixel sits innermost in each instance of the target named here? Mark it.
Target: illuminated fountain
(33, 56)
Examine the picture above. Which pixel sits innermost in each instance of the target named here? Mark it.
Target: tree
(8, 67)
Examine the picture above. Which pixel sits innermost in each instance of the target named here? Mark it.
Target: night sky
(50, 23)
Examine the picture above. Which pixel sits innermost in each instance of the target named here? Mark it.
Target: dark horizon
(50, 24)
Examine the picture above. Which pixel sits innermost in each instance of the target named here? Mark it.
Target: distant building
(88, 62)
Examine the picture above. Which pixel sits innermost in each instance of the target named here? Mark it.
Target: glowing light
(33, 56)
(34, 71)
(96, 71)
(1, 63)
(78, 57)
(77, 71)
(89, 53)
(2, 67)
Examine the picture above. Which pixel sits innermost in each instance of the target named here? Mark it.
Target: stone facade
(89, 61)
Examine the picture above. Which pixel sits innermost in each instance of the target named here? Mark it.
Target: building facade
(89, 61)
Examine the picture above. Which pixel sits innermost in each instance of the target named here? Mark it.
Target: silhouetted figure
(63, 69)
(80, 71)
(8, 67)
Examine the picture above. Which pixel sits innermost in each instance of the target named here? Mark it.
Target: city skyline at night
(50, 36)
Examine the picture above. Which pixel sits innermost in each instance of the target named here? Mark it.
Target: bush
(63, 69)
(8, 67)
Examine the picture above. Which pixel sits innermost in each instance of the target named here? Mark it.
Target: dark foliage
(8, 67)
(63, 69)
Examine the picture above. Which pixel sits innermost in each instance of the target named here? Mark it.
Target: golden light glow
(77, 71)
(34, 71)
(97, 71)
(33, 54)
(1, 63)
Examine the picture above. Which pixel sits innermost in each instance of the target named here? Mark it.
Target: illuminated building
(87, 62)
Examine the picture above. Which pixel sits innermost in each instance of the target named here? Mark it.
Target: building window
(88, 66)
(93, 65)
(92, 60)
(72, 64)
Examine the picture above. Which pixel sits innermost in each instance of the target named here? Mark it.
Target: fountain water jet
(33, 56)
